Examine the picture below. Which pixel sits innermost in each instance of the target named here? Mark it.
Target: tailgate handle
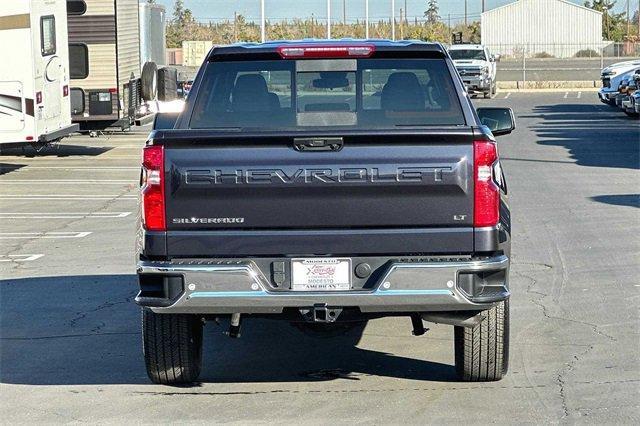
(318, 144)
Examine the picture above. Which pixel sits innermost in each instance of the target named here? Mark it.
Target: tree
(432, 12)
(613, 24)
(178, 10)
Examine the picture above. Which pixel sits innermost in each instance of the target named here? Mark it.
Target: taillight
(65, 90)
(327, 51)
(38, 97)
(486, 195)
(153, 188)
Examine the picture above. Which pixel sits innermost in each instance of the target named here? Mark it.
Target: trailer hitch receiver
(320, 313)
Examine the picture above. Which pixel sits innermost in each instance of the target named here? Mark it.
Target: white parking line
(508, 94)
(48, 235)
(76, 215)
(69, 197)
(579, 95)
(66, 182)
(566, 95)
(20, 257)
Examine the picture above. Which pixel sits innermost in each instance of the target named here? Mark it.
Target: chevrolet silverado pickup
(325, 183)
(477, 68)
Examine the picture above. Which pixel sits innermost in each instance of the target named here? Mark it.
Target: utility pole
(393, 19)
(366, 18)
(628, 20)
(312, 26)
(465, 13)
(328, 19)
(406, 22)
(344, 12)
(483, 9)
(401, 26)
(450, 29)
(606, 18)
(235, 27)
(262, 32)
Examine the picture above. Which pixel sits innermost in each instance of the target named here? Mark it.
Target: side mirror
(496, 58)
(165, 120)
(499, 120)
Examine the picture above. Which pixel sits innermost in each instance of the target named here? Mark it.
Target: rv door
(53, 67)
(12, 106)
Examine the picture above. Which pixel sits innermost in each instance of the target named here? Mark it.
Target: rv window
(76, 7)
(77, 101)
(48, 35)
(78, 61)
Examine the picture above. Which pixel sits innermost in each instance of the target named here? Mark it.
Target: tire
(494, 89)
(487, 95)
(172, 347)
(149, 81)
(482, 352)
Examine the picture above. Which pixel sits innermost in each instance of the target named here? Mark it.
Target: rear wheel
(482, 352)
(172, 347)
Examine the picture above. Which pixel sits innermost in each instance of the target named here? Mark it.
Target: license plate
(321, 274)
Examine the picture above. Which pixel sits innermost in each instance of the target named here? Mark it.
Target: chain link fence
(559, 62)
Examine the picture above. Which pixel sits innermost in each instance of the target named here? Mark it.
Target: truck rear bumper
(207, 287)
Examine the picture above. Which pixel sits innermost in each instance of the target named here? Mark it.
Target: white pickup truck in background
(476, 66)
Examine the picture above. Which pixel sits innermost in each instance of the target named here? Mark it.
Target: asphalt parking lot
(70, 333)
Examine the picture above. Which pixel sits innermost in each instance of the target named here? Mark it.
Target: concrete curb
(587, 90)
(520, 85)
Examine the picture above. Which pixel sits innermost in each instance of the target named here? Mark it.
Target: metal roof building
(535, 27)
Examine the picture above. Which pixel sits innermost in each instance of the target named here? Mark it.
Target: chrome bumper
(477, 83)
(240, 287)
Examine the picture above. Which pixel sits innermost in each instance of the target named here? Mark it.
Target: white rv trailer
(34, 74)
(107, 82)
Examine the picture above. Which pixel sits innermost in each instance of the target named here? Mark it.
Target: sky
(221, 10)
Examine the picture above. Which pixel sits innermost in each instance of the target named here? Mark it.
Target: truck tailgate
(410, 183)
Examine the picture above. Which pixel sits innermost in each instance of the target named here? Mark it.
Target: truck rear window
(301, 95)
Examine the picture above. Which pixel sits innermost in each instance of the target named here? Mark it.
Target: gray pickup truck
(325, 183)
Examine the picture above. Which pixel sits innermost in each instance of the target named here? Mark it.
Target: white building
(555, 27)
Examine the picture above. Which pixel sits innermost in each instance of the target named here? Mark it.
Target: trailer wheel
(149, 81)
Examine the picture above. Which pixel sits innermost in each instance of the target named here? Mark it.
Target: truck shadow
(594, 135)
(58, 150)
(75, 330)
(628, 200)
(6, 168)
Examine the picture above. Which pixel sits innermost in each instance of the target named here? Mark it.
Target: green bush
(586, 53)
(543, 55)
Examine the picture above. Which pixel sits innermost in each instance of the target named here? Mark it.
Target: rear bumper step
(241, 287)
(60, 133)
